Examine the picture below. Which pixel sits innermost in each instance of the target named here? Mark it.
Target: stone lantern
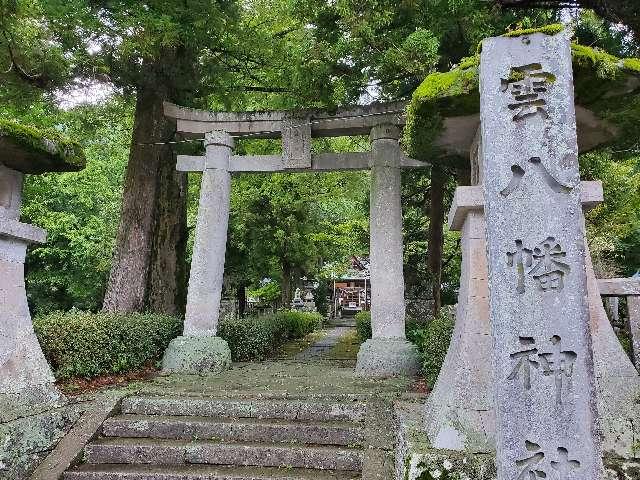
(26, 381)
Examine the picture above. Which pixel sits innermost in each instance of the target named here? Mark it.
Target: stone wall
(25, 441)
(417, 460)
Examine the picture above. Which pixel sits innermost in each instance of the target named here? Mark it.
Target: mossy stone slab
(29, 150)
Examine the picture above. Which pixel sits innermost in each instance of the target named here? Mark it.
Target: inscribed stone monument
(544, 383)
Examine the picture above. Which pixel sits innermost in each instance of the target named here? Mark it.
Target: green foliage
(267, 293)
(320, 295)
(62, 153)
(283, 226)
(416, 184)
(79, 211)
(433, 343)
(254, 338)
(83, 344)
(363, 325)
(613, 228)
(413, 328)
(453, 92)
(394, 45)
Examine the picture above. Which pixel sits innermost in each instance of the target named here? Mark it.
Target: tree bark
(241, 295)
(148, 271)
(436, 237)
(287, 272)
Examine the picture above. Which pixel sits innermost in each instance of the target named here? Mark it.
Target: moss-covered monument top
(447, 104)
(29, 150)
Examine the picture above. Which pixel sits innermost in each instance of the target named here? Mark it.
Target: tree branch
(38, 81)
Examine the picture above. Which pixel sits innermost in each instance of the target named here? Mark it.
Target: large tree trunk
(287, 273)
(148, 271)
(436, 237)
(241, 296)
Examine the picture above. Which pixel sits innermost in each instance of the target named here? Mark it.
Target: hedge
(84, 344)
(432, 339)
(254, 338)
(363, 327)
(433, 343)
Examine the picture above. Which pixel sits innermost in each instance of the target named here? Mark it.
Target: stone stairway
(213, 438)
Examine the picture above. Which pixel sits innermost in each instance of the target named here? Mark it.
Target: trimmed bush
(84, 344)
(433, 343)
(254, 338)
(363, 327)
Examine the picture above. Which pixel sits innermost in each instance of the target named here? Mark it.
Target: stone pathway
(321, 348)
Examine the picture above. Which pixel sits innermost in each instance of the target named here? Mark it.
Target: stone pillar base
(195, 355)
(387, 358)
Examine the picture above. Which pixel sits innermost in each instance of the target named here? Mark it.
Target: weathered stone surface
(172, 452)
(26, 440)
(619, 287)
(10, 193)
(233, 429)
(633, 307)
(196, 354)
(293, 409)
(296, 142)
(459, 412)
(20, 232)
(386, 357)
(387, 280)
(207, 266)
(617, 381)
(387, 353)
(416, 459)
(26, 381)
(543, 362)
(67, 451)
(356, 120)
(202, 472)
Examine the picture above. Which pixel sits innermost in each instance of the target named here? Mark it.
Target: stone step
(201, 472)
(285, 409)
(177, 452)
(236, 430)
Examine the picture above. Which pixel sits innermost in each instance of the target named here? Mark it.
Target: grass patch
(347, 347)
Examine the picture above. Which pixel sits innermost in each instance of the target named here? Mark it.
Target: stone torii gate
(199, 349)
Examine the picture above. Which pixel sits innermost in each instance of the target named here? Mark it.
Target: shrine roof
(30, 150)
(443, 115)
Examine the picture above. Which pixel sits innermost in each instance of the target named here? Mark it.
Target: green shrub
(363, 327)
(433, 342)
(84, 344)
(253, 338)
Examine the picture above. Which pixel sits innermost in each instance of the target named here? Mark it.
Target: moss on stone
(451, 465)
(62, 154)
(440, 94)
(632, 64)
(599, 80)
(552, 29)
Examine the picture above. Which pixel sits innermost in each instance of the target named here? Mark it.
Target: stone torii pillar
(387, 352)
(199, 348)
